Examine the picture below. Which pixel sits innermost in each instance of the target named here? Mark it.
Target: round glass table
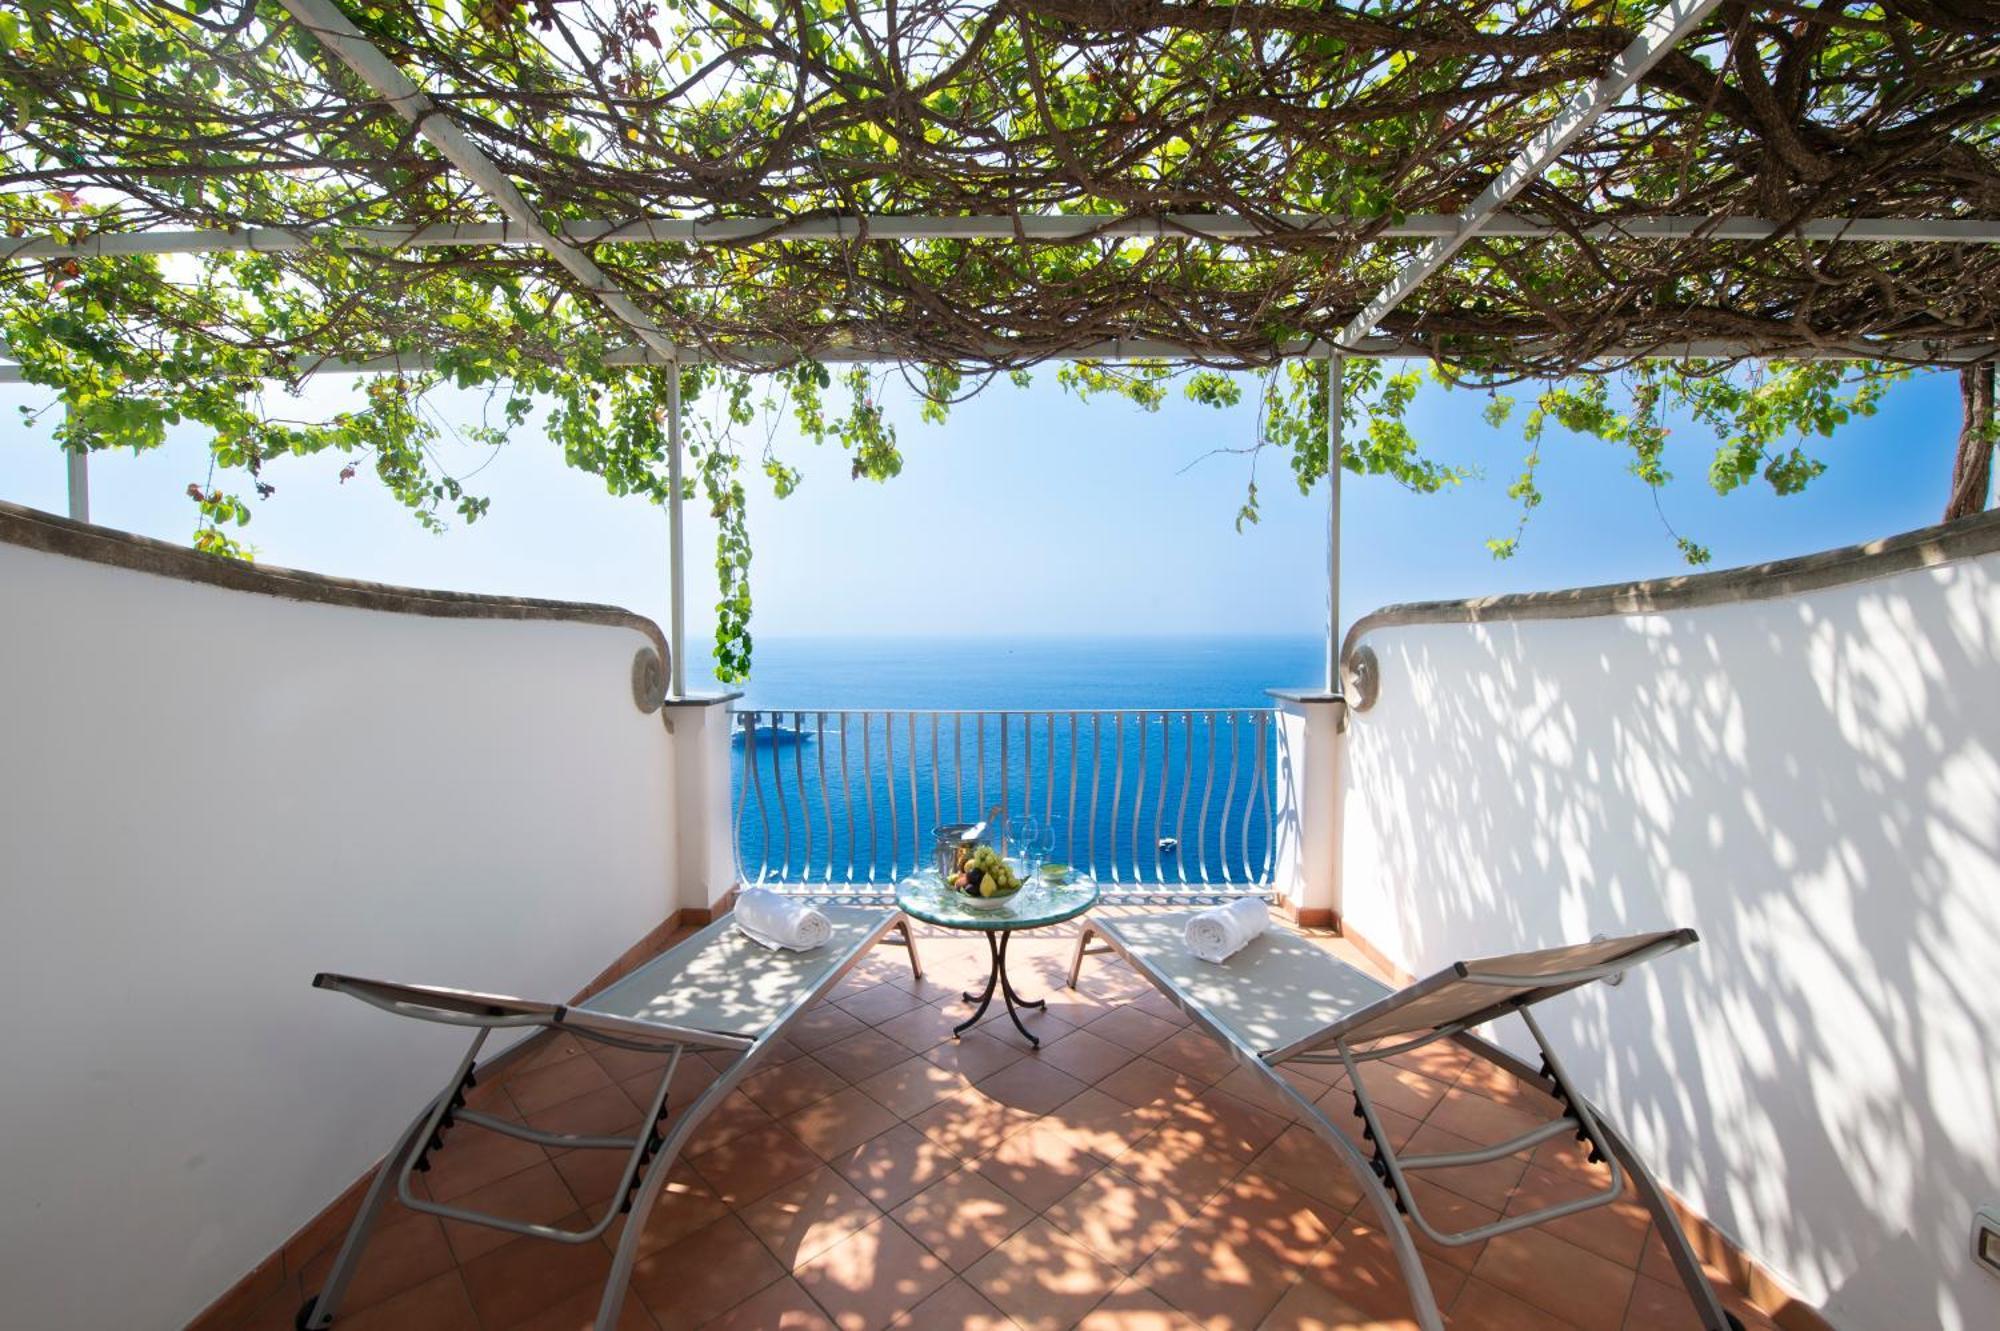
(925, 897)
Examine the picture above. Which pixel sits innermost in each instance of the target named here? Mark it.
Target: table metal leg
(996, 946)
(985, 996)
(1014, 1000)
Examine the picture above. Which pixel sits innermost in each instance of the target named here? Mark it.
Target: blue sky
(1031, 512)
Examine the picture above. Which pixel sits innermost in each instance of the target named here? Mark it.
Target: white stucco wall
(705, 847)
(1306, 789)
(205, 797)
(1814, 784)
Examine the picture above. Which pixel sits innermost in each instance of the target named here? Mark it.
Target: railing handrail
(739, 710)
(1232, 840)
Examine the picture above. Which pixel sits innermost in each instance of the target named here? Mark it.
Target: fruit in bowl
(983, 873)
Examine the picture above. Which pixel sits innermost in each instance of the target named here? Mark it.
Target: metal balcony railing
(1153, 802)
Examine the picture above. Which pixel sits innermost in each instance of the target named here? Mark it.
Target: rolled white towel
(775, 921)
(1216, 935)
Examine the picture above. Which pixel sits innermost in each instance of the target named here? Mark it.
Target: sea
(1141, 760)
(1029, 673)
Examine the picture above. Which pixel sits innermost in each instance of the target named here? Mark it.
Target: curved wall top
(1926, 547)
(33, 529)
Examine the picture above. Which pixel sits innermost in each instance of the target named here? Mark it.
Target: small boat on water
(777, 735)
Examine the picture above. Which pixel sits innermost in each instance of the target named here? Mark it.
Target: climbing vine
(127, 117)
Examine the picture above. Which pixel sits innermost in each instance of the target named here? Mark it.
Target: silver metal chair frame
(651, 1154)
(1384, 1177)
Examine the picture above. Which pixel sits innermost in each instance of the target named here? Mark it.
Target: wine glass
(1027, 845)
(1045, 841)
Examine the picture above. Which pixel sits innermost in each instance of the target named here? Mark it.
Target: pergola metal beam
(1675, 20)
(1374, 348)
(334, 30)
(1040, 228)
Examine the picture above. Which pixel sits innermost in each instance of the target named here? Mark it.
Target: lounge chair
(715, 991)
(1282, 999)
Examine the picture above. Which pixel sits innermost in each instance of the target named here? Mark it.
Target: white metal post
(79, 485)
(676, 550)
(1336, 369)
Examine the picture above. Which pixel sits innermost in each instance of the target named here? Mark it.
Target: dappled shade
(730, 984)
(1126, 1177)
(1279, 989)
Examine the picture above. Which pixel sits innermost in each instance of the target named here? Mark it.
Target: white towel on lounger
(776, 921)
(1216, 935)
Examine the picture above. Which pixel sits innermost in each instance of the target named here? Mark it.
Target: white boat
(774, 735)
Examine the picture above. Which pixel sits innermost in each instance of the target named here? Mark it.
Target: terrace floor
(879, 1174)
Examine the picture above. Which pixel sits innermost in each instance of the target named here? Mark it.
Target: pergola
(1511, 189)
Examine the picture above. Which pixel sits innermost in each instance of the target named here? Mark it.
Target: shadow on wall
(1814, 784)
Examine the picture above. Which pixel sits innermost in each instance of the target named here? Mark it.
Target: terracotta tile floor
(1127, 1176)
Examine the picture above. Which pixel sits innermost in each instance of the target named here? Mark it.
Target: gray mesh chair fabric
(718, 980)
(1279, 989)
(1473, 992)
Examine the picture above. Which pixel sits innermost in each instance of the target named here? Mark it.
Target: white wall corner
(704, 840)
(1306, 859)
